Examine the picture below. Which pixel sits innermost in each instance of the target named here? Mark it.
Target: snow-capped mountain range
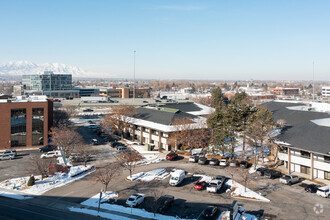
(16, 68)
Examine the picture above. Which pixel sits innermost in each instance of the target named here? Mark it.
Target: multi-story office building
(154, 126)
(304, 144)
(25, 122)
(326, 91)
(50, 84)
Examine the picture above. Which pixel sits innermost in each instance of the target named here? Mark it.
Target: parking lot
(287, 202)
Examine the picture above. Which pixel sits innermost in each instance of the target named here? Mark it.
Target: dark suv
(163, 203)
(272, 174)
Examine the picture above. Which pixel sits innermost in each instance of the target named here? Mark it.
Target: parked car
(88, 110)
(7, 156)
(171, 156)
(10, 152)
(289, 179)
(244, 164)
(177, 177)
(46, 148)
(312, 188)
(117, 144)
(272, 174)
(94, 141)
(200, 185)
(145, 101)
(214, 186)
(108, 138)
(163, 203)
(202, 160)
(121, 148)
(135, 200)
(209, 212)
(214, 162)
(193, 158)
(234, 163)
(50, 154)
(261, 171)
(324, 191)
(223, 163)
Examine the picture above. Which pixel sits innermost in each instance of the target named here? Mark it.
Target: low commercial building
(126, 93)
(25, 122)
(305, 142)
(285, 91)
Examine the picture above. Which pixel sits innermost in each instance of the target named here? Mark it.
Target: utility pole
(313, 83)
(134, 80)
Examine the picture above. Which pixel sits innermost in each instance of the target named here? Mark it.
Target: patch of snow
(158, 174)
(238, 190)
(48, 183)
(94, 201)
(203, 177)
(322, 122)
(14, 195)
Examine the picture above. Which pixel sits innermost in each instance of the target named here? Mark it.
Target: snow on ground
(158, 174)
(238, 190)
(81, 121)
(48, 183)
(203, 178)
(14, 195)
(96, 213)
(93, 201)
(149, 157)
(254, 169)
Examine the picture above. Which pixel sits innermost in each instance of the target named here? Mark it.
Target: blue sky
(178, 39)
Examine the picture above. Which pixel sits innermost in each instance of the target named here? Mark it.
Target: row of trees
(238, 118)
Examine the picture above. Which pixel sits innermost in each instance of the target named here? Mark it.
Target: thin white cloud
(181, 7)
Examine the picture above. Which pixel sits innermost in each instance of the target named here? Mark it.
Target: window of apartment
(18, 127)
(283, 150)
(326, 175)
(327, 159)
(305, 154)
(305, 170)
(37, 126)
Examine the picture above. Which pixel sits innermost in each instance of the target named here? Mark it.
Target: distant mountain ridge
(16, 68)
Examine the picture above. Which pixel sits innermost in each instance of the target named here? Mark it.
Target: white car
(214, 186)
(223, 163)
(324, 191)
(135, 200)
(50, 154)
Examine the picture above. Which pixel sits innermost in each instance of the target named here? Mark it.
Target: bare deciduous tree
(40, 166)
(67, 138)
(107, 173)
(128, 159)
(83, 153)
(119, 119)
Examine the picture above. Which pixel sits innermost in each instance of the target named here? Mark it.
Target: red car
(171, 156)
(200, 185)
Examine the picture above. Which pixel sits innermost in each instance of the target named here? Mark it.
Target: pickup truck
(289, 179)
(214, 186)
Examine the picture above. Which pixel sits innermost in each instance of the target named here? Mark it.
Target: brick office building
(25, 122)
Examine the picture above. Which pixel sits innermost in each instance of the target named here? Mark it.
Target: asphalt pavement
(22, 209)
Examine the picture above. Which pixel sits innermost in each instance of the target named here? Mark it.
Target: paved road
(19, 209)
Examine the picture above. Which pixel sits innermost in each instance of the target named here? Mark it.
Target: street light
(134, 80)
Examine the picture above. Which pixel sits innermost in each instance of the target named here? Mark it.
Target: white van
(177, 177)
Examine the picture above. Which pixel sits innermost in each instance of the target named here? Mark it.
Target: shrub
(31, 181)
